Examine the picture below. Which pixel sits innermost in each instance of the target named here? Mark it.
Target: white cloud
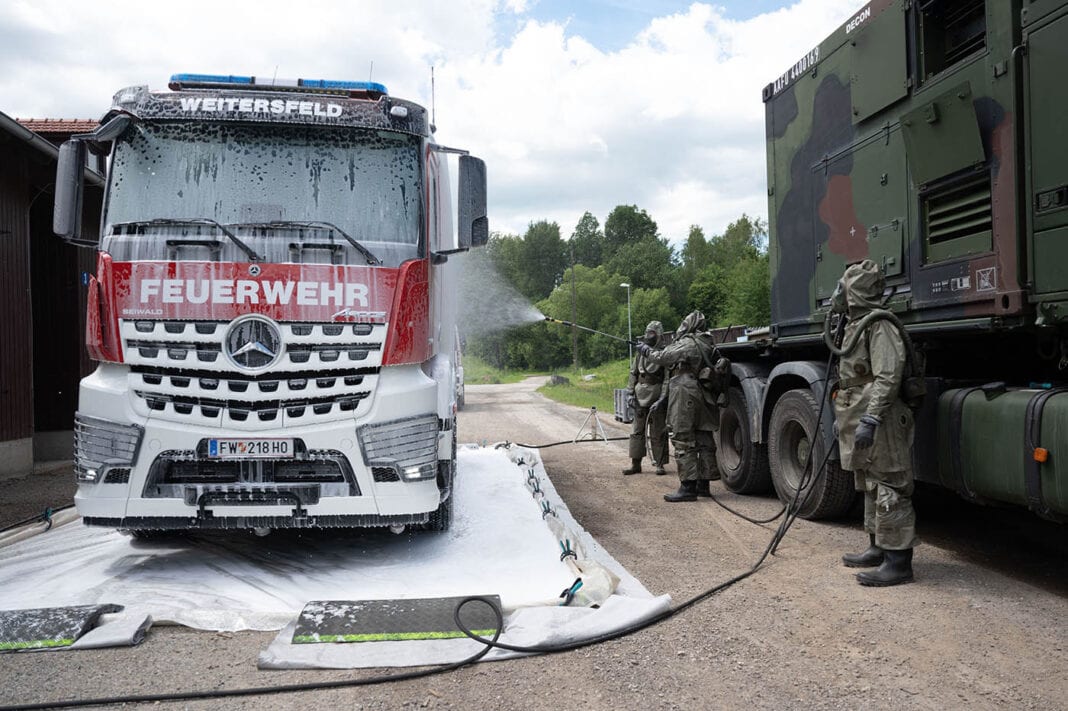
(672, 122)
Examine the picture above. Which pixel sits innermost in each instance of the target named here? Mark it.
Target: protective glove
(864, 437)
(643, 348)
(658, 404)
(632, 401)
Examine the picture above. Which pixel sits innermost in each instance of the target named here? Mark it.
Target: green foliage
(598, 392)
(748, 293)
(627, 224)
(588, 241)
(479, 372)
(533, 263)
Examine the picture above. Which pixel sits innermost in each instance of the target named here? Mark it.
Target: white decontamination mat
(500, 543)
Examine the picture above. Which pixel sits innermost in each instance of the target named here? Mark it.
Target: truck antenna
(433, 108)
(371, 74)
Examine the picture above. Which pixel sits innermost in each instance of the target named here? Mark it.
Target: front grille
(100, 445)
(177, 473)
(117, 476)
(384, 474)
(180, 372)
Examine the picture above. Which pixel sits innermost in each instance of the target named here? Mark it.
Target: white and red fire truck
(273, 309)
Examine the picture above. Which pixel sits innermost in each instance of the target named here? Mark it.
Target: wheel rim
(731, 442)
(796, 451)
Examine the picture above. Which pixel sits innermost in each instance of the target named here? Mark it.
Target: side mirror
(472, 220)
(70, 187)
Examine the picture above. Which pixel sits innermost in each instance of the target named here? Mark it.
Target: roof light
(333, 86)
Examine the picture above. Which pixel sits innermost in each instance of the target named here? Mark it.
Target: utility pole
(630, 336)
(574, 329)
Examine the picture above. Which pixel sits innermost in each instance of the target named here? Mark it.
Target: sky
(574, 106)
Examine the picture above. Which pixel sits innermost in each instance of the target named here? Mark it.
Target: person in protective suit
(690, 417)
(875, 429)
(644, 388)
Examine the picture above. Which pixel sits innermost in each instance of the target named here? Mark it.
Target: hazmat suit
(691, 418)
(644, 387)
(875, 429)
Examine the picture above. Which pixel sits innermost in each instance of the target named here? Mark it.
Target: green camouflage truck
(931, 137)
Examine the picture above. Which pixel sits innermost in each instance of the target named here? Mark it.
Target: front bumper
(170, 485)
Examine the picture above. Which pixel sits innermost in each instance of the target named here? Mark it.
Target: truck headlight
(100, 445)
(408, 446)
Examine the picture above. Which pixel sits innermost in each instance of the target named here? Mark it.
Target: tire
(441, 517)
(743, 464)
(830, 494)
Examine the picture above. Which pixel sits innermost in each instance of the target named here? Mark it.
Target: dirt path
(984, 626)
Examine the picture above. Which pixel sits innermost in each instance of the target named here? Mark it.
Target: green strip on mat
(36, 644)
(386, 636)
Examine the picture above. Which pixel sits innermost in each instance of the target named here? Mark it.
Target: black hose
(45, 515)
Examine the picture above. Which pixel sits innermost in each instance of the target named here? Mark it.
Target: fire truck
(273, 309)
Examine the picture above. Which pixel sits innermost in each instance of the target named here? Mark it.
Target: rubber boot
(868, 559)
(635, 467)
(687, 492)
(660, 471)
(896, 569)
(703, 490)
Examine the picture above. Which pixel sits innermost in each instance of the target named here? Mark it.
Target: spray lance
(550, 319)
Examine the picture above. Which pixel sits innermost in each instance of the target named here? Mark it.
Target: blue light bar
(344, 85)
(328, 85)
(210, 79)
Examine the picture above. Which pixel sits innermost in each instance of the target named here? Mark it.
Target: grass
(479, 372)
(598, 392)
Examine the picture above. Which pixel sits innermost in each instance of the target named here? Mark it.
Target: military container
(928, 136)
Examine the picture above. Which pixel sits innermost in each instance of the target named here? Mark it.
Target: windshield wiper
(315, 224)
(160, 221)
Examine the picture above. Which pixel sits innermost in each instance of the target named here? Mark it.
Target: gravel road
(984, 626)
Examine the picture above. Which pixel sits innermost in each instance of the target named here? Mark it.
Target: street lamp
(630, 346)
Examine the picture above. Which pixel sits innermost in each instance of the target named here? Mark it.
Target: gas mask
(650, 337)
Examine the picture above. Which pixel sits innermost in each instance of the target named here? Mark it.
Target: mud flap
(48, 627)
(395, 620)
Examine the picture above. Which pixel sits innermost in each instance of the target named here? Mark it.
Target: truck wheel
(441, 517)
(791, 442)
(743, 464)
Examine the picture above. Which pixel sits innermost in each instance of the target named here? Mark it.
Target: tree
(708, 292)
(696, 253)
(588, 241)
(505, 251)
(627, 224)
(745, 238)
(646, 263)
(543, 258)
(748, 293)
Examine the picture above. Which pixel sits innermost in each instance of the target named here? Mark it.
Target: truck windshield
(291, 193)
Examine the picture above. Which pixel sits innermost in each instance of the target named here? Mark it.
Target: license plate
(250, 448)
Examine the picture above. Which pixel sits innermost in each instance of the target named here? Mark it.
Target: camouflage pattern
(646, 382)
(871, 376)
(691, 420)
(869, 158)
